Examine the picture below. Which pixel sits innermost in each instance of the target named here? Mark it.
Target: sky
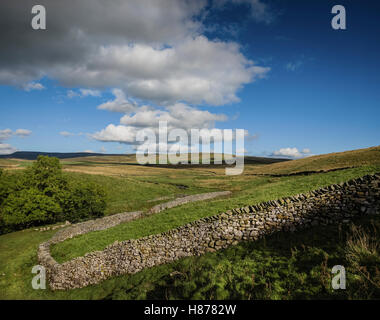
(102, 70)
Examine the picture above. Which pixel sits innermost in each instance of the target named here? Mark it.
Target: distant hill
(32, 155)
(263, 160)
(325, 162)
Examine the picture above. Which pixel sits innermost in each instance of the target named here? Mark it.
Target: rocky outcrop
(333, 204)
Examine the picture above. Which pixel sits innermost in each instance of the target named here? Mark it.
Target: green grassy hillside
(283, 266)
(325, 162)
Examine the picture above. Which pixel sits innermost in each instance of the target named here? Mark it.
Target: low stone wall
(115, 219)
(104, 223)
(187, 199)
(333, 204)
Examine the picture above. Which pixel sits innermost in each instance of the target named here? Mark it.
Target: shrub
(29, 207)
(7, 185)
(84, 201)
(46, 175)
(42, 194)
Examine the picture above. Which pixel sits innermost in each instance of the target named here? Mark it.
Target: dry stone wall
(187, 199)
(333, 204)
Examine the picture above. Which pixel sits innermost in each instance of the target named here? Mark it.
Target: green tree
(46, 175)
(29, 207)
(84, 201)
(7, 185)
(43, 194)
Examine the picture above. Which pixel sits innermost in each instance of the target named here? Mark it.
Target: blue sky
(317, 88)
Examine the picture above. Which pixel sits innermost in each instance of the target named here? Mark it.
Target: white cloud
(6, 149)
(83, 93)
(22, 133)
(144, 21)
(291, 153)
(89, 92)
(196, 70)
(33, 86)
(151, 49)
(117, 133)
(72, 94)
(148, 50)
(66, 134)
(5, 134)
(119, 104)
(177, 116)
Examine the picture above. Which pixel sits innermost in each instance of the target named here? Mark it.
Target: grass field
(282, 266)
(257, 189)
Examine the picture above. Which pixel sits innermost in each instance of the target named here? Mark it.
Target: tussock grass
(363, 256)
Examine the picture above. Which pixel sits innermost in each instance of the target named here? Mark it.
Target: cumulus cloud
(127, 134)
(152, 49)
(119, 104)
(6, 134)
(92, 23)
(33, 86)
(6, 149)
(148, 50)
(117, 133)
(177, 116)
(145, 119)
(293, 153)
(196, 70)
(66, 134)
(135, 118)
(22, 133)
(83, 93)
(89, 92)
(72, 94)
